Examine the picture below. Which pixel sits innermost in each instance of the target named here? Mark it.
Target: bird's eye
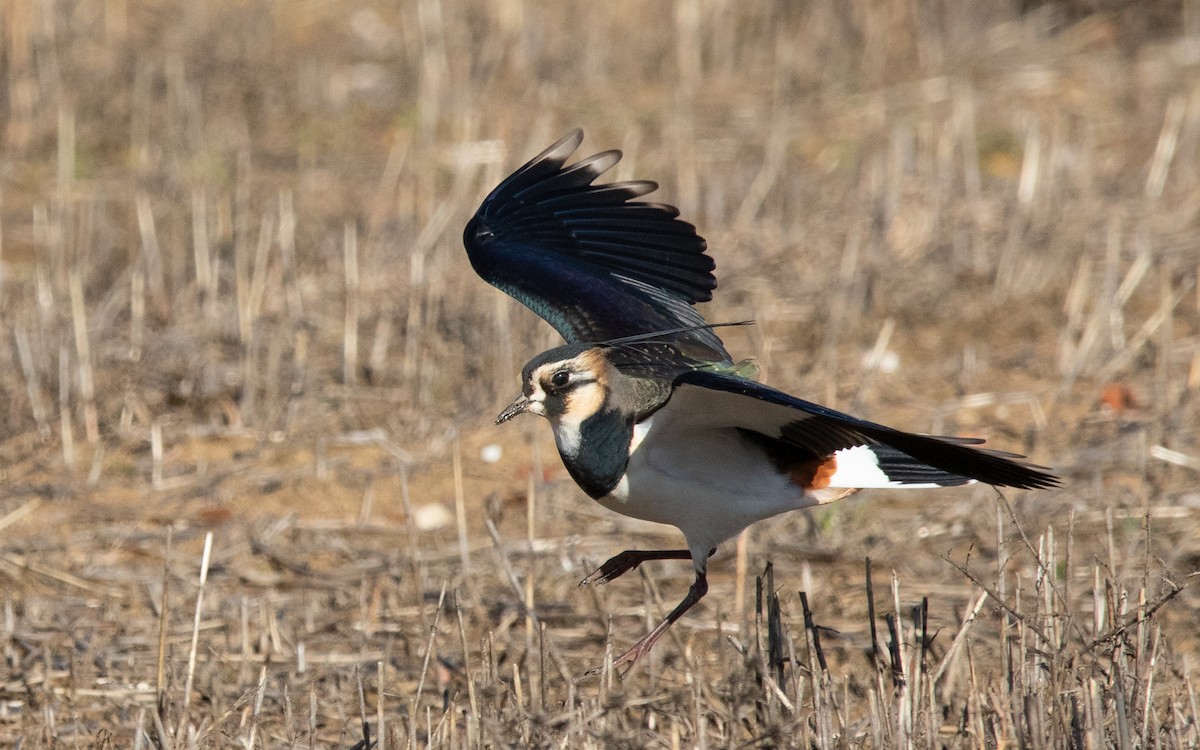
(560, 379)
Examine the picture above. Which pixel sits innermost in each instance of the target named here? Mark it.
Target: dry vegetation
(247, 373)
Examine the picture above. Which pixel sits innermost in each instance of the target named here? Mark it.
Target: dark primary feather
(589, 259)
(821, 431)
(900, 467)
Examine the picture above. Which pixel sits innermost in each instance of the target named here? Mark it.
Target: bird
(651, 415)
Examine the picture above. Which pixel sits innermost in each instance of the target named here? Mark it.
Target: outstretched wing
(796, 432)
(592, 261)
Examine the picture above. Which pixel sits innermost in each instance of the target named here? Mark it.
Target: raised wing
(592, 261)
(795, 431)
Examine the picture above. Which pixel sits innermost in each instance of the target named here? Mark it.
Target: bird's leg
(623, 562)
(697, 591)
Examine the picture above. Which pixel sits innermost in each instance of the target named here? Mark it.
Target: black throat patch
(604, 440)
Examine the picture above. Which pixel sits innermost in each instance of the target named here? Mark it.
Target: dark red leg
(697, 591)
(622, 563)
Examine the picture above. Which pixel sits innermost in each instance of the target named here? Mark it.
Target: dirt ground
(251, 494)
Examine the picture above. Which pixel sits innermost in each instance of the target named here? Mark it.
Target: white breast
(709, 483)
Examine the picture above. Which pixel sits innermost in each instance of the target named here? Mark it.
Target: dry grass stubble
(248, 374)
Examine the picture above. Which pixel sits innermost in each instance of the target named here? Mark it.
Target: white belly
(710, 483)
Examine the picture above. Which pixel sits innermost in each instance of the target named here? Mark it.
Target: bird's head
(630, 376)
(566, 384)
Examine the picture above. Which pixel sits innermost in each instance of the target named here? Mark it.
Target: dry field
(247, 375)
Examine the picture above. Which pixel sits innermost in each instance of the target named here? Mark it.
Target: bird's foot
(615, 567)
(625, 663)
(621, 563)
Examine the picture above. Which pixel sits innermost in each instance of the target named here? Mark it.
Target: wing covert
(719, 400)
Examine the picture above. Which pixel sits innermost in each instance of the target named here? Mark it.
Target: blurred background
(234, 301)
